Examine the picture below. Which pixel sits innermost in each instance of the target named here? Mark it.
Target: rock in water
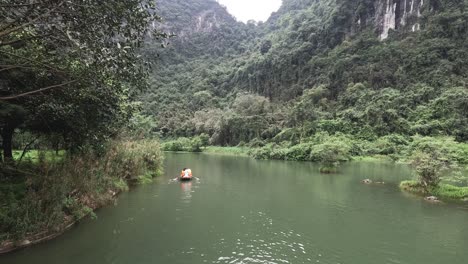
(432, 199)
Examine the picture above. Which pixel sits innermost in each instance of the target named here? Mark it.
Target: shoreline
(80, 185)
(443, 191)
(10, 246)
(243, 152)
(216, 150)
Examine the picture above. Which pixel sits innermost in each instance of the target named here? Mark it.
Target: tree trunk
(7, 136)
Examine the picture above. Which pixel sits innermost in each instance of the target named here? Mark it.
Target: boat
(186, 175)
(185, 178)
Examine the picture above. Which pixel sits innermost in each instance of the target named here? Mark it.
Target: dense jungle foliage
(67, 72)
(311, 68)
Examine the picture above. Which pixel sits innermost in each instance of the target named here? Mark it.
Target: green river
(247, 211)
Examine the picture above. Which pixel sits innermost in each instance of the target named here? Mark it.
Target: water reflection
(186, 188)
(262, 239)
(248, 211)
(266, 242)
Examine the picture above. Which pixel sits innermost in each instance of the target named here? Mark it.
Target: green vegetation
(185, 144)
(235, 151)
(47, 194)
(293, 74)
(442, 190)
(33, 155)
(316, 82)
(329, 150)
(434, 162)
(450, 191)
(313, 71)
(429, 167)
(69, 76)
(68, 80)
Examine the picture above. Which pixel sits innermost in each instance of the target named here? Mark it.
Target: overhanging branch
(36, 91)
(57, 70)
(19, 5)
(11, 42)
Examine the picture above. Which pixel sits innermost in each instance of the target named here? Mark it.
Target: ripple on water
(264, 242)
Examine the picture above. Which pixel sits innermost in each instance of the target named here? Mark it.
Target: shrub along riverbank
(324, 148)
(429, 156)
(43, 195)
(446, 191)
(201, 144)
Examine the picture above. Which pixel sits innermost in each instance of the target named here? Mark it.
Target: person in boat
(186, 173)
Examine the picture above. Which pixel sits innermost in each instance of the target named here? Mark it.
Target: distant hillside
(373, 67)
(305, 34)
(205, 36)
(199, 28)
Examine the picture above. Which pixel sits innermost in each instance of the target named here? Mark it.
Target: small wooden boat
(186, 175)
(185, 178)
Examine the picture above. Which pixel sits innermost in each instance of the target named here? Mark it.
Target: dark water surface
(247, 211)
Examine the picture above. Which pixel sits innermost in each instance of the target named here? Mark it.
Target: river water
(247, 211)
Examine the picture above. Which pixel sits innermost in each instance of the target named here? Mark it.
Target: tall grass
(42, 195)
(442, 190)
(194, 144)
(235, 151)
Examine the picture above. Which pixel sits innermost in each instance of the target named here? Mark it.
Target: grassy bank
(195, 144)
(444, 191)
(43, 194)
(33, 155)
(342, 146)
(200, 144)
(234, 151)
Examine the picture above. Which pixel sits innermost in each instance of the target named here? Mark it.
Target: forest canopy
(67, 71)
(316, 66)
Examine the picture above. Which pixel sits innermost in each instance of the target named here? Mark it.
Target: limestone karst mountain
(416, 50)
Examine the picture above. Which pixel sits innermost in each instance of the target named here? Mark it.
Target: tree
(330, 154)
(205, 140)
(70, 66)
(266, 46)
(11, 116)
(429, 167)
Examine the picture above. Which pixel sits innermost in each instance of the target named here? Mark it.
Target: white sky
(258, 10)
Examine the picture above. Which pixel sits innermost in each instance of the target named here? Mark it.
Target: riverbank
(218, 150)
(345, 147)
(443, 191)
(267, 200)
(42, 198)
(330, 154)
(233, 151)
(248, 152)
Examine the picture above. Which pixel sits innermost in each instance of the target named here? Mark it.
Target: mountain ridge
(414, 50)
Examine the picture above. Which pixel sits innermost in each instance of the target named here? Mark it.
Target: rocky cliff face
(199, 28)
(387, 15)
(354, 16)
(397, 15)
(187, 17)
